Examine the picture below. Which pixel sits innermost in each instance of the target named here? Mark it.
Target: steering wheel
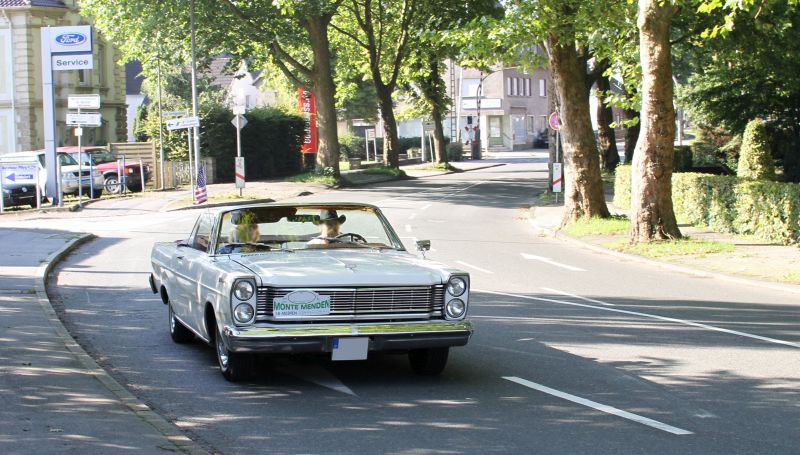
(354, 238)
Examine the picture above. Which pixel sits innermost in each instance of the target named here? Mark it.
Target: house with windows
(21, 110)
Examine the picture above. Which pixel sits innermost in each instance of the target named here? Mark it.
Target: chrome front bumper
(403, 336)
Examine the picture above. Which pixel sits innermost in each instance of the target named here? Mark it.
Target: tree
(755, 159)
(652, 214)
(606, 138)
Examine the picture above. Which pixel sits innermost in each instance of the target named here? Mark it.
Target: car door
(196, 263)
(183, 261)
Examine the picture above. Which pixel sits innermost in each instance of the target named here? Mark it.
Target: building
(21, 111)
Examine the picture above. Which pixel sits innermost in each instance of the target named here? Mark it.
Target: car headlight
(243, 290)
(456, 286)
(67, 176)
(97, 173)
(243, 312)
(455, 308)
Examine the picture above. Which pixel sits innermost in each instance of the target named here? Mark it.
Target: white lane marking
(474, 267)
(599, 406)
(425, 207)
(551, 262)
(412, 216)
(653, 316)
(462, 189)
(578, 296)
(408, 228)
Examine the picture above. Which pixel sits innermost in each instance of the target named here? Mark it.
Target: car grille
(388, 304)
(84, 173)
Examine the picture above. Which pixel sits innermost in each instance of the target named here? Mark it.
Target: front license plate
(350, 348)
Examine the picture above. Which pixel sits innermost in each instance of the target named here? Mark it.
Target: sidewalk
(752, 262)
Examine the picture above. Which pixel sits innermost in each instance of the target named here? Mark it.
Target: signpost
(239, 121)
(181, 123)
(554, 122)
(370, 136)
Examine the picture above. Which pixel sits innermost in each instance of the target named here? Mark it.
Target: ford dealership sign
(73, 39)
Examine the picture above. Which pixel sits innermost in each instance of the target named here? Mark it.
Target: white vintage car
(308, 278)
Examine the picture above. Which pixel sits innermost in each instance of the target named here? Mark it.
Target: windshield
(301, 228)
(102, 156)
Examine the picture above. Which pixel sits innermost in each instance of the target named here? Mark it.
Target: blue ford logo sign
(71, 39)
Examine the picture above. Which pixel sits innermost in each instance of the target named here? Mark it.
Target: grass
(681, 247)
(313, 177)
(437, 167)
(599, 226)
(384, 170)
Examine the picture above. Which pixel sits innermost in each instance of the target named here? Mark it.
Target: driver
(329, 223)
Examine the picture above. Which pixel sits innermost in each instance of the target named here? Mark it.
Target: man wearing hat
(329, 222)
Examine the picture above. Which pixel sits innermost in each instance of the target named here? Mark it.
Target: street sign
(238, 110)
(83, 102)
(181, 123)
(428, 127)
(239, 121)
(370, 134)
(175, 113)
(239, 172)
(554, 122)
(557, 179)
(19, 172)
(84, 119)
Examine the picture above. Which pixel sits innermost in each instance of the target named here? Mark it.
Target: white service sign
(73, 62)
(71, 39)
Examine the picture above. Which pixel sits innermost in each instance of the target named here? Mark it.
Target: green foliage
(385, 170)
(270, 143)
(455, 151)
(622, 186)
(679, 247)
(755, 158)
(682, 161)
(599, 226)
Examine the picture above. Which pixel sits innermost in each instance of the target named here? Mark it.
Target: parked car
(72, 174)
(111, 166)
(15, 194)
(261, 279)
(541, 139)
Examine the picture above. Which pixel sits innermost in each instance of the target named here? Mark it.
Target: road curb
(559, 235)
(141, 410)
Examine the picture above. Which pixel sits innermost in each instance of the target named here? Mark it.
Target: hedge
(766, 209)
(270, 143)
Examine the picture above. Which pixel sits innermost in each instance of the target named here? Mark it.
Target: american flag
(200, 193)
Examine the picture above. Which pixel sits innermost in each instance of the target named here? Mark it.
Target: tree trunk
(391, 144)
(438, 136)
(631, 134)
(325, 94)
(433, 88)
(652, 214)
(583, 195)
(607, 139)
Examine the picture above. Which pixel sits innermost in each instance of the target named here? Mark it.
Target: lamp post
(160, 127)
(194, 97)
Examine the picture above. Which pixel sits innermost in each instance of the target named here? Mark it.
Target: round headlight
(456, 286)
(243, 290)
(243, 313)
(455, 308)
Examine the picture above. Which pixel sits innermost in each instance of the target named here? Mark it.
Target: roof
(220, 77)
(133, 77)
(23, 3)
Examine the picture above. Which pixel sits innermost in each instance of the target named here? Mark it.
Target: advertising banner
(308, 109)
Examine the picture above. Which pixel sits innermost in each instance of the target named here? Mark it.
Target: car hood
(342, 268)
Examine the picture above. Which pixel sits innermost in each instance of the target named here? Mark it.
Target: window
(101, 61)
(527, 87)
(202, 233)
(542, 87)
(6, 66)
(516, 86)
(469, 87)
(508, 86)
(84, 77)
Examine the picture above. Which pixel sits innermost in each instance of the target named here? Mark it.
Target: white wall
(133, 102)
(7, 130)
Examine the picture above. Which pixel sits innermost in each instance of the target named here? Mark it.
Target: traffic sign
(83, 101)
(239, 121)
(239, 172)
(181, 123)
(84, 119)
(19, 172)
(428, 127)
(238, 110)
(557, 178)
(175, 113)
(370, 134)
(554, 122)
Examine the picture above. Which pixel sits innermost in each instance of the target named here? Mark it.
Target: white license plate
(350, 348)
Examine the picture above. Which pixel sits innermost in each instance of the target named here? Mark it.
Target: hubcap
(222, 353)
(171, 321)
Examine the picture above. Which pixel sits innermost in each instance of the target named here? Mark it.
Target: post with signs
(554, 123)
(63, 48)
(239, 121)
(185, 123)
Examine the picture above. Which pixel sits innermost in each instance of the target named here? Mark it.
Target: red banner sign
(308, 107)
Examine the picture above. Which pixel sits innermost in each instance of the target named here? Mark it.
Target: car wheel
(233, 366)
(179, 333)
(429, 362)
(112, 185)
(97, 193)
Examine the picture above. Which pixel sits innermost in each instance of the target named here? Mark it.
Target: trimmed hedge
(765, 209)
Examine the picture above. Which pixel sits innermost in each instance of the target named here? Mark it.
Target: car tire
(97, 193)
(233, 366)
(179, 333)
(428, 362)
(112, 184)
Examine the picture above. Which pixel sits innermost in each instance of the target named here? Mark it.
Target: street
(574, 351)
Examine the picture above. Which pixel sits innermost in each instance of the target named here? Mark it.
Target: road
(574, 351)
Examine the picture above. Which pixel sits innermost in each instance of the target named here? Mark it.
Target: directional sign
(19, 172)
(239, 121)
(181, 123)
(85, 119)
(83, 101)
(175, 113)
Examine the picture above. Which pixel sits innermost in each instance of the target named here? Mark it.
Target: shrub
(622, 186)
(454, 151)
(705, 154)
(683, 159)
(755, 160)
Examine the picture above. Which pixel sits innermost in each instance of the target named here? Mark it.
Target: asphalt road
(574, 351)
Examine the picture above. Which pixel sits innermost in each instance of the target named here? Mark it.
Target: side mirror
(423, 245)
(182, 243)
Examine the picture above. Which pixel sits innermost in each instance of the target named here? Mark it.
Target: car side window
(202, 233)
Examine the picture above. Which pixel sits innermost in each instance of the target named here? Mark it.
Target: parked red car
(111, 166)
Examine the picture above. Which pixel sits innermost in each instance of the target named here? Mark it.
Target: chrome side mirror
(423, 246)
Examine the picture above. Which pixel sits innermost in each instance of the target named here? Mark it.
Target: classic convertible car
(308, 278)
